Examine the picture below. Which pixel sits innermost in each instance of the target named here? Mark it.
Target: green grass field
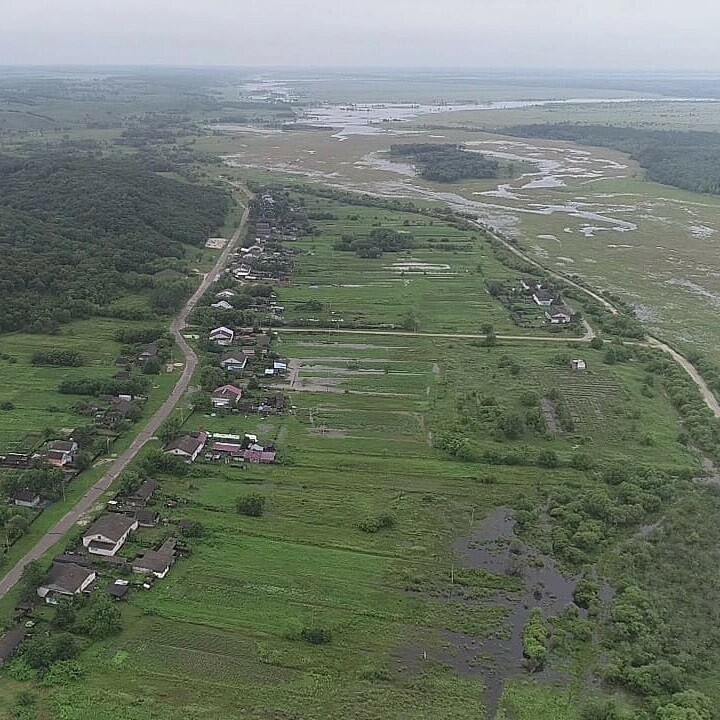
(218, 637)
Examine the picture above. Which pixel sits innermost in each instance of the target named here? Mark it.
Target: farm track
(58, 531)
(707, 394)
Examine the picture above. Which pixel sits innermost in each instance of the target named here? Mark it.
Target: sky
(553, 34)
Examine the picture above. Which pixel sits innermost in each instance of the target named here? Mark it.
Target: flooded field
(585, 210)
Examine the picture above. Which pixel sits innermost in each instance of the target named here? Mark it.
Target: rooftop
(67, 577)
(112, 526)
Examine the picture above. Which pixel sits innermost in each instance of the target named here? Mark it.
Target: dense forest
(445, 162)
(688, 160)
(78, 233)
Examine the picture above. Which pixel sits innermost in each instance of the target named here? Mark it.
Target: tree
(252, 505)
(99, 618)
(511, 425)
(41, 651)
(490, 337)
(170, 429)
(535, 637)
(83, 460)
(596, 343)
(32, 578)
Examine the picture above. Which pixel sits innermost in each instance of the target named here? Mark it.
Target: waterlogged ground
(586, 211)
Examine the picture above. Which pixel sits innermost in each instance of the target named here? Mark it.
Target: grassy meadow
(219, 637)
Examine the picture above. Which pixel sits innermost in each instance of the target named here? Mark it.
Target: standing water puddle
(494, 548)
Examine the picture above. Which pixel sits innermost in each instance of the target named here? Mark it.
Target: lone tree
(252, 505)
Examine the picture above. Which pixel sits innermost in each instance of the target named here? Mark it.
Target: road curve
(88, 500)
(707, 394)
(560, 276)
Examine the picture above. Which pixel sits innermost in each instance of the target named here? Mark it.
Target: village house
(234, 362)
(578, 364)
(143, 494)
(119, 589)
(558, 315)
(108, 534)
(62, 452)
(17, 460)
(226, 396)
(158, 562)
(543, 298)
(225, 294)
(147, 517)
(117, 412)
(26, 498)
(65, 579)
(150, 353)
(187, 446)
(222, 305)
(222, 336)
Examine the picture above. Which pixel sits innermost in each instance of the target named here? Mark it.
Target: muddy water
(495, 548)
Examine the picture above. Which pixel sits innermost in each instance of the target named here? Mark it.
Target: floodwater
(495, 548)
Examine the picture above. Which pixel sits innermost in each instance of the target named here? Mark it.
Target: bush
(64, 672)
(375, 524)
(535, 637)
(548, 459)
(316, 635)
(252, 505)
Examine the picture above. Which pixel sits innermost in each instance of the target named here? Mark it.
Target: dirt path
(686, 365)
(91, 497)
(557, 275)
(457, 336)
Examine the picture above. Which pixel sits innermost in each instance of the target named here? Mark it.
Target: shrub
(535, 637)
(252, 505)
(316, 635)
(375, 524)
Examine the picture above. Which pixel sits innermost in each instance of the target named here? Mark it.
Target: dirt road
(685, 364)
(589, 334)
(91, 497)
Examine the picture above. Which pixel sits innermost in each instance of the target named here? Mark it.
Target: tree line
(686, 159)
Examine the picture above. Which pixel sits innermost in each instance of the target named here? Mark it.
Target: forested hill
(688, 160)
(78, 233)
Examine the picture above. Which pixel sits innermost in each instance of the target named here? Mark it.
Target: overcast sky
(631, 34)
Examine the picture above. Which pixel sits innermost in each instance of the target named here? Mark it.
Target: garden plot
(590, 399)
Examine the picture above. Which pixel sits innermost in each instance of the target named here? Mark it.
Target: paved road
(91, 497)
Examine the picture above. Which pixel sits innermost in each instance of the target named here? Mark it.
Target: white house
(222, 335)
(225, 396)
(66, 579)
(62, 452)
(578, 364)
(108, 533)
(558, 315)
(543, 298)
(187, 446)
(26, 498)
(235, 362)
(225, 295)
(157, 562)
(222, 305)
